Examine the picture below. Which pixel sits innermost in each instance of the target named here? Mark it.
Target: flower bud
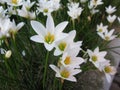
(8, 54)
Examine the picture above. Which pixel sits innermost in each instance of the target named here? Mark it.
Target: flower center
(107, 38)
(107, 69)
(62, 46)
(49, 38)
(45, 10)
(100, 30)
(65, 73)
(67, 60)
(94, 58)
(14, 1)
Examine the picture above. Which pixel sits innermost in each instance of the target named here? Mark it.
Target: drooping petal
(56, 69)
(49, 47)
(57, 52)
(72, 78)
(38, 27)
(20, 25)
(75, 71)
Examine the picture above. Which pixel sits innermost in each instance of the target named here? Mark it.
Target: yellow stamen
(100, 30)
(108, 69)
(14, 1)
(65, 73)
(62, 46)
(45, 10)
(67, 60)
(94, 58)
(107, 38)
(49, 38)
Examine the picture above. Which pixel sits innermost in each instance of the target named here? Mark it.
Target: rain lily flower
(14, 2)
(101, 28)
(110, 9)
(2, 12)
(67, 43)
(96, 57)
(14, 28)
(94, 11)
(23, 12)
(74, 10)
(70, 59)
(108, 70)
(65, 73)
(111, 19)
(94, 3)
(4, 27)
(119, 19)
(108, 35)
(7, 53)
(50, 34)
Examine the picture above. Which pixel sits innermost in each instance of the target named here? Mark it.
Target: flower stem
(73, 22)
(45, 70)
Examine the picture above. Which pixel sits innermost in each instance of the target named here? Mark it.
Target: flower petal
(37, 38)
(49, 47)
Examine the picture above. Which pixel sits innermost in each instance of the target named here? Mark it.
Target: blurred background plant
(22, 60)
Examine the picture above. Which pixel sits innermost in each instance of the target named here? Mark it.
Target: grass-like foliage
(45, 43)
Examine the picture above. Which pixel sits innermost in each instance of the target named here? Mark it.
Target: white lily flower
(70, 58)
(111, 19)
(2, 12)
(108, 35)
(4, 27)
(94, 11)
(108, 70)
(119, 19)
(28, 4)
(74, 10)
(101, 28)
(67, 43)
(11, 10)
(23, 12)
(50, 34)
(96, 57)
(95, 3)
(110, 9)
(65, 73)
(14, 2)
(7, 53)
(14, 28)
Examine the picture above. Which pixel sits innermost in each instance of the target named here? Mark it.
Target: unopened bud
(8, 54)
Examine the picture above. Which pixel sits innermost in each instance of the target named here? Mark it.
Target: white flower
(50, 34)
(65, 73)
(14, 2)
(23, 12)
(111, 19)
(11, 10)
(4, 27)
(8, 54)
(96, 56)
(108, 35)
(101, 28)
(66, 43)
(94, 11)
(83, 1)
(74, 10)
(70, 58)
(108, 70)
(2, 12)
(110, 9)
(14, 28)
(94, 3)
(45, 7)
(119, 19)
(28, 4)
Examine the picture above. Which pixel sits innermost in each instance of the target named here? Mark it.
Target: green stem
(73, 22)
(45, 71)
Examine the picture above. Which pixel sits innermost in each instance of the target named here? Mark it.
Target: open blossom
(96, 57)
(4, 27)
(110, 9)
(2, 12)
(70, 58)
(50, 34)
(101, 28)
(65, 73)
(14, 28)
(94, 3)
(24, 12)
(14, 2)
(108, 70)
(66, 43)
(74, 10)
(108, 35)
(48, 6)
(111, 19)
